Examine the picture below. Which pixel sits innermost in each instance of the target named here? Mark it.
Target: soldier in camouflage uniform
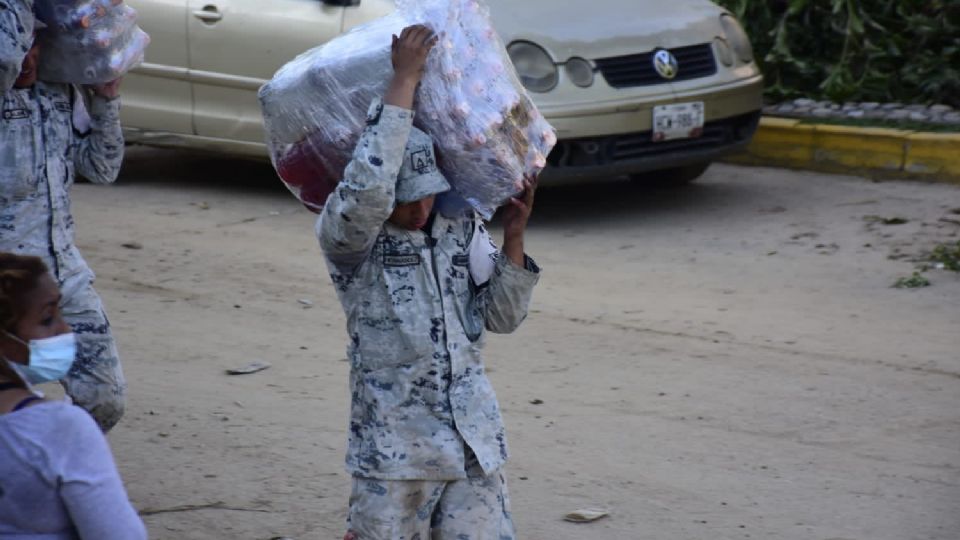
(426, 445)
(46, 136)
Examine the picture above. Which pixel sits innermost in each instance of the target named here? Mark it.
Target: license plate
(677, 121)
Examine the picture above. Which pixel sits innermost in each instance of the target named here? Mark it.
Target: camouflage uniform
(41, 148)
(477, 508)
(422, 407)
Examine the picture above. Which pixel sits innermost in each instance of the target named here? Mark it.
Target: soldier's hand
(108, 90)
(518, 209)
(514, 217)
(409, 51)
(409, 55)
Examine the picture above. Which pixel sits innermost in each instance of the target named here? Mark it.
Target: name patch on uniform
(61, 106)
(16, 114)
(401, 259)
(461, 260)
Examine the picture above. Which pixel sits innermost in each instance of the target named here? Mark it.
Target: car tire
(674, 177)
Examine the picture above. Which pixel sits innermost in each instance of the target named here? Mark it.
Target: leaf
(586, 515)
(854, 23)
(252, 367)
(797, 6)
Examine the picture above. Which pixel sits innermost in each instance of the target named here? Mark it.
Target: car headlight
(737, 37)
(580, 72)
(536, 69)
(723, 51)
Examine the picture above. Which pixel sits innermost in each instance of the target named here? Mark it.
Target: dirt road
(727, 361)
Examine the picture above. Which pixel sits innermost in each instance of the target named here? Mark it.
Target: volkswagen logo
(665, 64)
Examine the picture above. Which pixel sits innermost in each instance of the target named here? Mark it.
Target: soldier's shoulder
(53, 86)
(50, 90)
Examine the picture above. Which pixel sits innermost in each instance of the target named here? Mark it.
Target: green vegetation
(886, 220)
(913, 282)
(943, 256)
(856, 50)
(947, 255)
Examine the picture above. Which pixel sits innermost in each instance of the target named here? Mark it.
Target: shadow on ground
(588, 202)
(182, 168)
(604, 201)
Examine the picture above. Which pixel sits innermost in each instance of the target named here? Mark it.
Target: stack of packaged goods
(89, 41)
(489, 134)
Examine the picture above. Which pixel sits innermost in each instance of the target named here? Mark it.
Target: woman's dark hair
(19, 275)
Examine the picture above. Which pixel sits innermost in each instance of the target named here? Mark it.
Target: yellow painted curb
(873, 152)
(859, 148)
(933, 153)
(785, 141)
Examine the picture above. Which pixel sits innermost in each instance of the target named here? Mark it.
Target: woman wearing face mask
(57, 476)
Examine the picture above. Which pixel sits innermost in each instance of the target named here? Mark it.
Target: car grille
(641, 145)
(693, 62)
(596, 151)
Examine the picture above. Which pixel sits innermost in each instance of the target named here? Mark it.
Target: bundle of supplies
(488, 133)
(89, 41)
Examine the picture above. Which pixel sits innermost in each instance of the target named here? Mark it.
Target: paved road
(725, 361)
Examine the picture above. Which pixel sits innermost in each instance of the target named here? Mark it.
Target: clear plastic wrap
(89, 41)
(488, 132)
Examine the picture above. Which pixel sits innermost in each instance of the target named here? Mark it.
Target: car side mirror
(345, 3)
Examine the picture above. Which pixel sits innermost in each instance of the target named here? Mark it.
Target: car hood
(603, 28)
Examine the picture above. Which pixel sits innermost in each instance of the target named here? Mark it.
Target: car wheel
(674, 177)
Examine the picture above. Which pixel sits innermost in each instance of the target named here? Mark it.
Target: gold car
(632, 86)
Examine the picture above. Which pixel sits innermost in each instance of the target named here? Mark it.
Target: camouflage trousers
(95, 381)
(475, 508)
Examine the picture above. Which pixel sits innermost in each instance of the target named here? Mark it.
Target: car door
(235, 46)
(156, 94)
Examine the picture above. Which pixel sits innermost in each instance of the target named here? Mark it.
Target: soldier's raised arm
(364, 199)
(505, 299)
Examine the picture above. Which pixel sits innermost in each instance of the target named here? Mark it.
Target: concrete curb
(865, 151)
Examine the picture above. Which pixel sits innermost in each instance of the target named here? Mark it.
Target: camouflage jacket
(416, 321)
(42, 147)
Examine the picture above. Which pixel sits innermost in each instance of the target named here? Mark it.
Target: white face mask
(50, 358)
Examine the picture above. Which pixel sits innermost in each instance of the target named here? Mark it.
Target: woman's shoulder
(56, 417)
(56, 407)
(39, 433)
(69, 418)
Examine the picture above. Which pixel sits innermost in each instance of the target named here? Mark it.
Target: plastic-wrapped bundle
(89, 41)
(488, 132)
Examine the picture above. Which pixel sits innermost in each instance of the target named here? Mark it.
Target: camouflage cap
(419, 176)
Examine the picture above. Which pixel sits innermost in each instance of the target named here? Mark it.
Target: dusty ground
(727, 361)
